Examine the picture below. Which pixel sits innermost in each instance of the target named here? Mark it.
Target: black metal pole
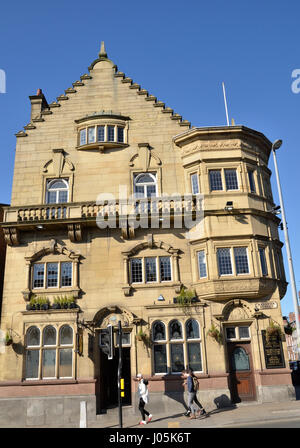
(120, 375)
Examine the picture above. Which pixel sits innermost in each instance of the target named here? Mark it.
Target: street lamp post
(276, 145)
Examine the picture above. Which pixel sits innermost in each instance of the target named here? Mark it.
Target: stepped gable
(48, 109)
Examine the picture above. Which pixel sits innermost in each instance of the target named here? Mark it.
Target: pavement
(236, 415)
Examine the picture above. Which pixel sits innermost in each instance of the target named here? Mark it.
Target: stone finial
(102, 53)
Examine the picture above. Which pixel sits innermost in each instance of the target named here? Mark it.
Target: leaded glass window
(194, 356)
(120, 134)
(65, 362)
(49, 335)
(52, 275)
(231, 180)
(38, 275)
(175, 330)
(33, 336)
(202, 264)
(49, 362)
(66, 273)
(101, 133)
(82, 137)
(177, 360)
(66, 335)
(158, 331)
(150, 264)
(215, 180)
(251, 181)
(241, 260)
(160, 358)
(224, 261)
(165, 269)
(136, 270)
(263, 263)
(195, 183)
(145, 185)
(91, 135)
(32, 364)
(111, 133)
(192, 329)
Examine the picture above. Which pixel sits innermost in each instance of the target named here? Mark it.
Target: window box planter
(186, 297)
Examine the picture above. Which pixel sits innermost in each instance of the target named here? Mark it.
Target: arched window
(57, 191)
(175, 330)
(52, 357)
(145, 185)
(176, 350)
(192, 329)
(158, 331)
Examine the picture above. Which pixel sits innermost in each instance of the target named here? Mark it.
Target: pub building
(107, 181)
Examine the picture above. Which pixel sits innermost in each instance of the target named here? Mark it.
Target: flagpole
(225, 103)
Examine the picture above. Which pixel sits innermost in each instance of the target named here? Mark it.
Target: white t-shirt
(143, 391)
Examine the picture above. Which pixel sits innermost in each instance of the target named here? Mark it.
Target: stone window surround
(167, 341)
(40, 347)
(59, 277)
(231, 244)
(164, 250)
(134, 172)
(65, 255)
(46, 178)
(157, 267)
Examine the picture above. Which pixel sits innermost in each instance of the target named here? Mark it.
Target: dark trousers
(142, 408)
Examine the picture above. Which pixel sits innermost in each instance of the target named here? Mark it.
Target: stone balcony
(123, 214)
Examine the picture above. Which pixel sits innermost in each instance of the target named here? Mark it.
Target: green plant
(289, 329)
(215, 333)
(142, 336)
(185, 297)
(8, 338)
(273, 330)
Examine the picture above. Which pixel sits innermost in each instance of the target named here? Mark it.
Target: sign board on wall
(273, 351)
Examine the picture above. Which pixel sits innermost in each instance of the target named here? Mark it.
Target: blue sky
(180, 52)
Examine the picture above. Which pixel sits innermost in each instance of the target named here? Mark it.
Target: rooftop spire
(102, 53)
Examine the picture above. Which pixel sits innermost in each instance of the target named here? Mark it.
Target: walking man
(192, 385)
(143, 396)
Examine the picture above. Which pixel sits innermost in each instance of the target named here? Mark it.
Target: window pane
(224, 261)
(111, 133)
(158, 332)
(33, 336)
(38, 275)
(63, 196)
(32, 363)
(165, 269)
(251, 181)
(91, 135)
(49, 336)
(49, 358)
(66, 335)
(194, 356)
(55, 185)
(136, 270)
(151, 190)
(139, 191)
(263, 262)
(125, 339)
(231, 180)
(65, 362)
(160, 359)
(230, 333)
(175, 330)
(244, 332)
(215, 180)
(240, 359)
(150, 269)
(101, 134)
(202, 264)
(278, 264)
(52, 275)
(177, 364)
(83, 137)
(120, 134)
(66, 273)
(241, 260)
(144, 178)
(192, 329)
(195, 183)
(51, 197)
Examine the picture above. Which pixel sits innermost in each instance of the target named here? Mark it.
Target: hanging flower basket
(214, 333)
(8, 339)
(141, 336)
(273, 330)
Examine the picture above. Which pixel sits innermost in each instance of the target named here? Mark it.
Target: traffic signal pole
(120, 374)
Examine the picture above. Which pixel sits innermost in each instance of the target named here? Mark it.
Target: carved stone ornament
(75, 232)
(11, 236)
(145, 155)
(112, 315)
(58, 164)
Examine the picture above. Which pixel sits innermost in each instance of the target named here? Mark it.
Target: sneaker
(187, 413)
(143, 422)
(203, 412)
(149, 418)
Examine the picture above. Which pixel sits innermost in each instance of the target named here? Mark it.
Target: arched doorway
(106, 370)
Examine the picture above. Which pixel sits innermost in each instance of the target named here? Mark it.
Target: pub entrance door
(109, 379)
(241, 377)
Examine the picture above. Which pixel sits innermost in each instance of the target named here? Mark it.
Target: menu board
(273, 351)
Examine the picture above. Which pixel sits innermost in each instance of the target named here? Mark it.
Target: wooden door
(241, 378)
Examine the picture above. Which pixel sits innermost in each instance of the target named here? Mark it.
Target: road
(280, 423)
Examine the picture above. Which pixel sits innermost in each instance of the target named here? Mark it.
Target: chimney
(38, 103)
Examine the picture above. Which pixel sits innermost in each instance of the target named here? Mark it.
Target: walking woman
(143, 395)
(192, 384)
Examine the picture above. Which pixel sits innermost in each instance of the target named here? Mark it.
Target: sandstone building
(129, 260)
